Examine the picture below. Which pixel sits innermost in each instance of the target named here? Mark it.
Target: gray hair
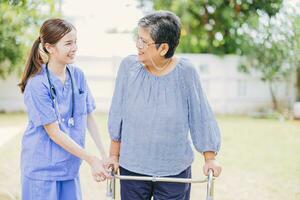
(164, 27)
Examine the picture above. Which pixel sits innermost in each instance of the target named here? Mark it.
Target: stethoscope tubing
(54, 95)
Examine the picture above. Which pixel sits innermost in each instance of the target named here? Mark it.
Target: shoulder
(129, 65)
(129, 62)
(37, 83)
(76, 72)
(187, 68)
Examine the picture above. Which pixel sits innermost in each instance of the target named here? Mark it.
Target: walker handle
(111, 183)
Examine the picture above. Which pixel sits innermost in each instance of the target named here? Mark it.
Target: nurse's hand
(214, 165)
(98, 170)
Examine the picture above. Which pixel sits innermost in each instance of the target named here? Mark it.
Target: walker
(111, 183)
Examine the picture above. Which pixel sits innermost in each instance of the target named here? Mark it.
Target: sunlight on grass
(259, 157)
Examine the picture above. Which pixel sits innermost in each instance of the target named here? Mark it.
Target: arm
(94, 131)
(204, 129)
(114, 154)
(63, 140)
(211, 163)
(42, 113)
(115, 119)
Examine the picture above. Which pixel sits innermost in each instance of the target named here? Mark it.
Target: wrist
(89, 159)
(209, 155)
(114, 156)
(209, 159)
(104, 156)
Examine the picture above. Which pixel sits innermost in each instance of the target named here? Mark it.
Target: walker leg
(210, 186)
(111, 189)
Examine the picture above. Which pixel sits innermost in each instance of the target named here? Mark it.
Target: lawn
(260, 159)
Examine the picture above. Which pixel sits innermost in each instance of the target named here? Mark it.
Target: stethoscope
(54, 100)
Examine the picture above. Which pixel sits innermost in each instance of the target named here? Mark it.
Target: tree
(273, 47)
(19, 24)
(212, 26)
(296, 27)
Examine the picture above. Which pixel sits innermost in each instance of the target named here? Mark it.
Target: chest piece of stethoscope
(71, 122)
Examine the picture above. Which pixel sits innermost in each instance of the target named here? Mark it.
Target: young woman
(60, 108)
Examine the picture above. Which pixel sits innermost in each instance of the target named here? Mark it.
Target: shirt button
(63, 119)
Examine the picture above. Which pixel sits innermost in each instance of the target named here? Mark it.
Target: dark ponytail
(33, 64)
(51, 32)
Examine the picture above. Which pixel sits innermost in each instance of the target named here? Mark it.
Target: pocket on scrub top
(80, 117)
(80, 104)
(59, 154)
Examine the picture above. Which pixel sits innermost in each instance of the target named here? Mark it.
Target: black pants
(144, 190)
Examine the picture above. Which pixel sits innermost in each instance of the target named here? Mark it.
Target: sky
(94, 18)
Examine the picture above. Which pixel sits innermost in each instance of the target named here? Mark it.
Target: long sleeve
(115, 113)
(204, 129)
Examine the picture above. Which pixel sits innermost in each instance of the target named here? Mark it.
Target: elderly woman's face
(145, 45)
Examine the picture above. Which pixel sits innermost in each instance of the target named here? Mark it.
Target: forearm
(64, 141)
(114, 148)
(95, 134)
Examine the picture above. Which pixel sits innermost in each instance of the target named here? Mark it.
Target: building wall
(228, 90)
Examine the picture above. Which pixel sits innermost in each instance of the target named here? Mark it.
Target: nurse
(60, 108)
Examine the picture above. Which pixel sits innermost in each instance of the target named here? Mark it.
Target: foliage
(19, 25)
(273, 47)
(212, 26)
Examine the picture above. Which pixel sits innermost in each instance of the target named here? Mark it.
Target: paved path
(8, 132)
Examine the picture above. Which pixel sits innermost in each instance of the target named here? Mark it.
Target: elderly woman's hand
(214, 165)
(112, 162)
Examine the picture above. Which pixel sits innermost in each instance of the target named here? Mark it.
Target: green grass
(12, 119)
(260, 159)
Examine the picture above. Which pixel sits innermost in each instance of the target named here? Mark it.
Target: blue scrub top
(41, 158)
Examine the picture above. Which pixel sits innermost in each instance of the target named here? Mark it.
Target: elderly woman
(158, 103)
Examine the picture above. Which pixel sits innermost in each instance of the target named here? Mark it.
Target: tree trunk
(298, 84)
(274, 99)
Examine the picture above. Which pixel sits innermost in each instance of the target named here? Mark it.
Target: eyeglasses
(141, 44)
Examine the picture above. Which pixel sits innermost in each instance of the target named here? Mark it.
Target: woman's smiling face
(145, 45)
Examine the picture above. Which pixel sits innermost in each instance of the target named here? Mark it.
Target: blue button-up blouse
(157, 118)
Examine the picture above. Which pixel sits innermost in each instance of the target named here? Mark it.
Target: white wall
(11, 98)
(232, 92)
(228, 91)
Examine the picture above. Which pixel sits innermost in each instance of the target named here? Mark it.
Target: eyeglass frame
(139, 40)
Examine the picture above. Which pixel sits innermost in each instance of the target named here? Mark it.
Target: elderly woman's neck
(161, 66)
